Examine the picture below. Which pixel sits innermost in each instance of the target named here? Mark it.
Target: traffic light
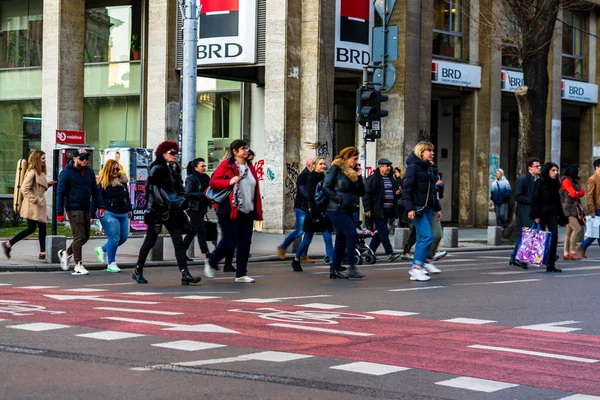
(381, 99)
(366, 105)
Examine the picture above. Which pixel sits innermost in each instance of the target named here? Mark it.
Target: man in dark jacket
(300, 207)
(523, 195)
(76, 186)
(381, 193)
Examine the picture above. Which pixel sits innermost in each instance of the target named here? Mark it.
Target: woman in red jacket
(570, 195)
(237, 214)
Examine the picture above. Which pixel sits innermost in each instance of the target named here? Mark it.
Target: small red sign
(70, 137)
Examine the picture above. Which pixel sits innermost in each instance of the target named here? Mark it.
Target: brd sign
(455, 74)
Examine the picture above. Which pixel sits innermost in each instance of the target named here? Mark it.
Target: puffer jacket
(418, 181)
(344, 187)
(195, 185)
(168, 178)
(76, 187)
(570, 193)
(115, 196)
(545, 201)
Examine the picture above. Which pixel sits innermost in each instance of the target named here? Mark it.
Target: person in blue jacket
(500, 192)
(76, 187)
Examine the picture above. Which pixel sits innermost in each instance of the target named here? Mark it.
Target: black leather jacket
(344, 195)
(195, 185)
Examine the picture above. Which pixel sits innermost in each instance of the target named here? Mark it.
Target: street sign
(383, 11)
(391, 44)
(390, 78)
(70, 137)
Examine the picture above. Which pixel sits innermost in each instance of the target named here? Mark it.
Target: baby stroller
(364, 254)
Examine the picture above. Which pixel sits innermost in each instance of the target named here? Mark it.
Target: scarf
(243, 172)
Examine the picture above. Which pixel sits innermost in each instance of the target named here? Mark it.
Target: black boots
(138, 276)
(336, 274)
(552, 268)
(296, 266)
(229, 268)
(187, 278)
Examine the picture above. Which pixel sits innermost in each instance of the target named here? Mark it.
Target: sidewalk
(25, 253)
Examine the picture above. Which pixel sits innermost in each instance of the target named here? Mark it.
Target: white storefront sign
(511, 80)
(227, 32)
(579, 91)
(455, 74)
(353, 33)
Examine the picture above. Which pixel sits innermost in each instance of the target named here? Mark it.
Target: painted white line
(38, 327)
(320, 273)
(469, 321)
(478, 385)
(508, 272)
(12, 302)
(194, 297)
(369, 368)
(582, 268)
(309, 328)
(110, 335)
(141, 369)
(417, 288)
(97, 298)
(111, 284)
(495, 283)
(552, 327)
(143, 293)
(576, 275)
(449, 260)
(86, 290)
(188, 345)
(278, 299)
(138, 311)
(321, 306)
(176, 327)
(580, 397)
(393, 313)
(3, 320)
(37, 287)
(209, 362)
(5, 284)
(534, 353)
(494, 257)
(274, 356)
(224, 278)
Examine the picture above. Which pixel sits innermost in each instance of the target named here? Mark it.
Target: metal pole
(384, 44)
(362, 142)
(190, 68)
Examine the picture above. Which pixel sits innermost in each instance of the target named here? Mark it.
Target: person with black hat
(76, 187)
(379, 201)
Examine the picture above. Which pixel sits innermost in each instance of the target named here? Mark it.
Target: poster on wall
(216, 150)
(226, 32)
(137, 191)
(121, 156)
(353, 33)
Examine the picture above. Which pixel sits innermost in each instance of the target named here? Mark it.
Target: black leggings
(150, 239)
(31, 225)
(197, 222)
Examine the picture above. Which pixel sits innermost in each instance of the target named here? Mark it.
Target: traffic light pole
(190, 73)
(362, 140)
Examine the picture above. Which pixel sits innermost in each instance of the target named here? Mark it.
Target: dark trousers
(382, 237)
(31, 225)
(80, 227)
(197, 222)
(551, 223)
(412, 239)
(345, 238)
(235, 233)
(150, 239)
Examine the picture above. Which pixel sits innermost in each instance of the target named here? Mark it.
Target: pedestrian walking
(115, 221)
(165, 206)
(570, 195)
(315, 220)
(76, 187)
(237, 214)
(34, 208)
(344, 187)
(399, 208)
(418, 194)
(546, 208)
(523, 197)
(593, 203)
(379, 202)
(500, 195)
(299, 207)
(196, 184)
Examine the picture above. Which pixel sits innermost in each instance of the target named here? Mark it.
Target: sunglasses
(116, 169)
(172, 152)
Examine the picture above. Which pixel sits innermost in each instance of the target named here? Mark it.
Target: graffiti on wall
(290, 180)
(323, 150)
(270, 174)
(494, 165)
(260, 172)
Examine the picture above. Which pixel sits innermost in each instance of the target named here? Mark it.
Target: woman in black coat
(165, 174)
(196, 184)
(546, 208)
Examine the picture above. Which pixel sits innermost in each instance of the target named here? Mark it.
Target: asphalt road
(479, 330)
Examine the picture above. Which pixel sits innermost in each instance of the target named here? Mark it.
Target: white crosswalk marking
(369, 368)
(110, 335)
(478, 385)
(322, 306)
(469, 321)
(188, 345)
(275, 356)
(393, 313)
(38, 326)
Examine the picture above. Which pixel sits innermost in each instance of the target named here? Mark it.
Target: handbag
(580, 214)
(534, 248)
(592, 227)
(210, 229)
(218, 196)
(419, 211)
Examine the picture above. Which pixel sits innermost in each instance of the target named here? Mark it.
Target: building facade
(282, 74)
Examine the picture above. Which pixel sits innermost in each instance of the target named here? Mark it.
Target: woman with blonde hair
(420, 202)
(112, 183)
(34, 208)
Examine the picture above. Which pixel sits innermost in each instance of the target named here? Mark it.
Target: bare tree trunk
(524, 148)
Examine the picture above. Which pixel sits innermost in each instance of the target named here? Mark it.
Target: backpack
(19, 178)
(321, 199)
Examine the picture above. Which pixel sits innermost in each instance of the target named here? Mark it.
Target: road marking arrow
(177, 327)
(96, 298)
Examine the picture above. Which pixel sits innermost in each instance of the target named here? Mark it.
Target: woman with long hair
(547, 210)
(117, 212)
(570, 195)
(164, 180)
(420, 202)
(344, 187)
(34, 208)
(236, 214)
(315, 220)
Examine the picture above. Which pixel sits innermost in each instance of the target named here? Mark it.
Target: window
(20, 33)
(447, 28)
(511, 40)
(572, 52)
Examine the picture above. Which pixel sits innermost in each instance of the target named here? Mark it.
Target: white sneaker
(244, 279)
(439, 255)
(64, 259)
(208, 272)
(113, 267)
(432, 268)
(79, 269)
(101, 254)
(417, 274)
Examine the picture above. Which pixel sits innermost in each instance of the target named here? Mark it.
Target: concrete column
(162, 96)
(62, 73)
(554, 110)
(468, 130)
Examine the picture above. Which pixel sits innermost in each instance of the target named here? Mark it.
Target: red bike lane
(559, 361)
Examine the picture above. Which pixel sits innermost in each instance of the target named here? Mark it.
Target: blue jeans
(382, 237)
(307, 240)
(116, 227)
(588, 241)
(235, 233)
(422, 224)
(300, 216)
(345, 238)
